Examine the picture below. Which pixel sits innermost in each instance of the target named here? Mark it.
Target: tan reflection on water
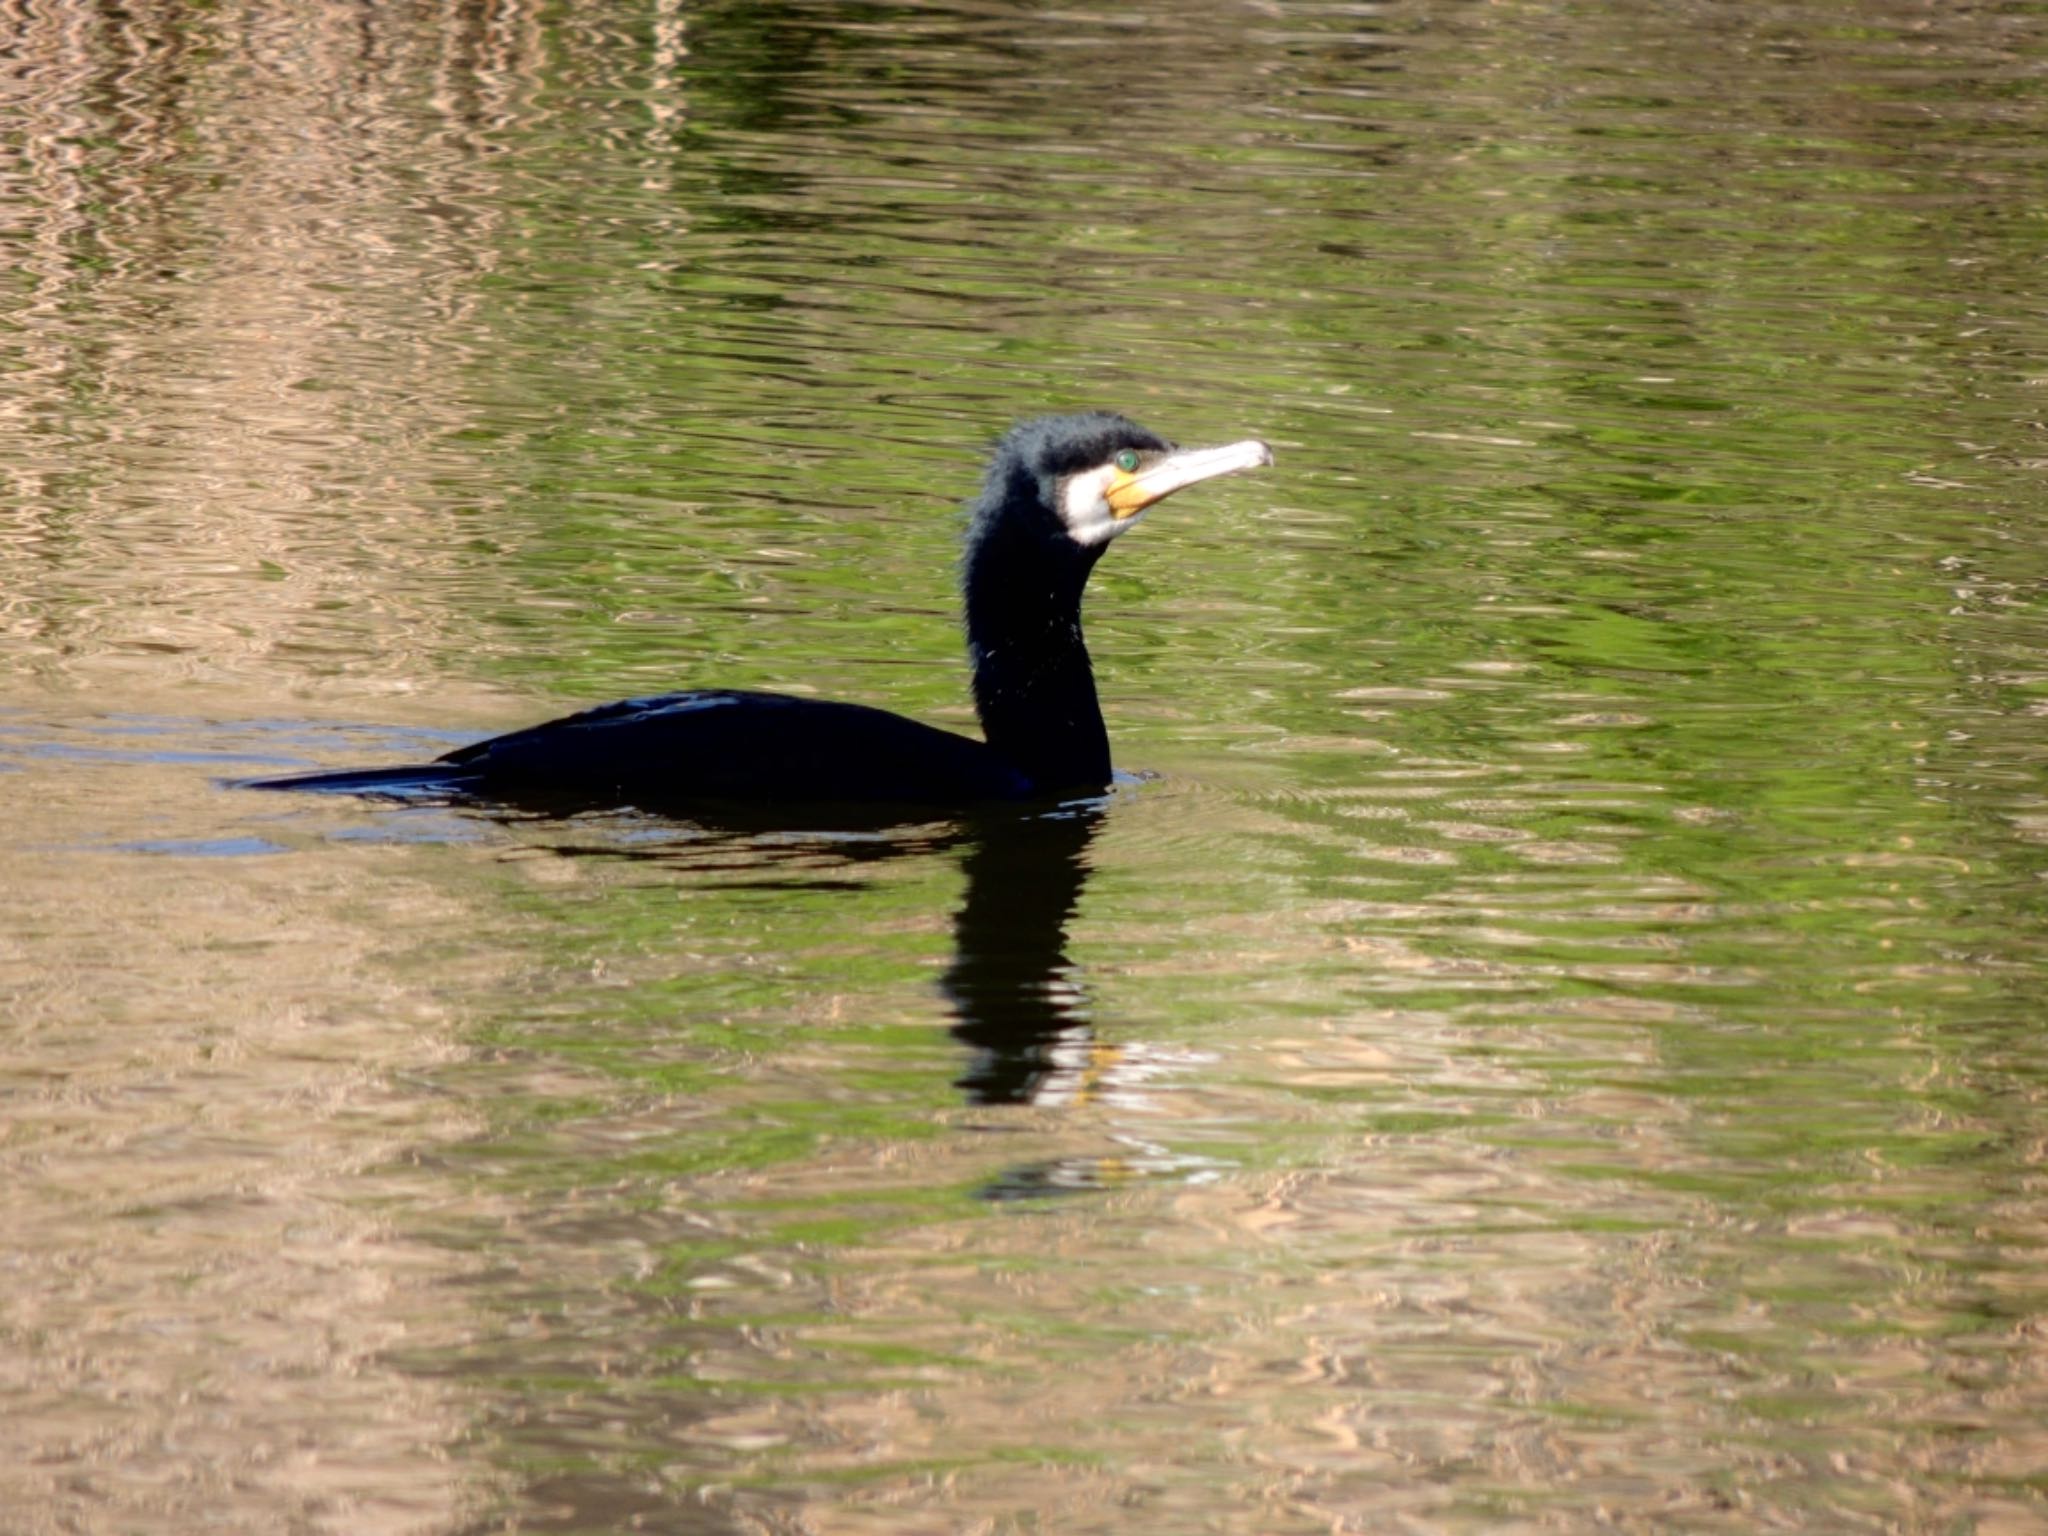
(204, 1078)
(257, 235)
(205, 1058)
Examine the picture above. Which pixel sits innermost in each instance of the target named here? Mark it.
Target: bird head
(1094, 474)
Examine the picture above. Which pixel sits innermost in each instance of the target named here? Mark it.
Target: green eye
(1127, 461)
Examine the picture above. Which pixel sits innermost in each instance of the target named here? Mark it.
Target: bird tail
(407, 781)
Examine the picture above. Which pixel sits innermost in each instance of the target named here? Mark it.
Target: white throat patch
(1084, 508)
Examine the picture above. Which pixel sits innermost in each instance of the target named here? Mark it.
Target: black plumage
(1057, 490)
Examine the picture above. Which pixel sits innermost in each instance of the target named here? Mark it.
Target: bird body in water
(1058, 489)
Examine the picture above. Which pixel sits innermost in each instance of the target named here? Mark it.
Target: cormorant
(1058, 489)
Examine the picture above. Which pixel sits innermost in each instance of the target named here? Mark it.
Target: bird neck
(1033, 686)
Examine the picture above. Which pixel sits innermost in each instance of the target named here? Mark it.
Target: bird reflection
(1018, 1003)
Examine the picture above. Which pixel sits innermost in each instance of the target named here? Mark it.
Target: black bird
(1058, 489)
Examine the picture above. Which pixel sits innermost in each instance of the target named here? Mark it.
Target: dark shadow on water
(1018, 1003)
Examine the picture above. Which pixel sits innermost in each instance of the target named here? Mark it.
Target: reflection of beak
(1129, 495)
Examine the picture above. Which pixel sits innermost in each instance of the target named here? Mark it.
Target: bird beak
(1128, 495)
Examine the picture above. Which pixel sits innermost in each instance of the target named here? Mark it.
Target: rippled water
(1548, 1033)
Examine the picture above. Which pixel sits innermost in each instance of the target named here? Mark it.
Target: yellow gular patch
(1125, 494)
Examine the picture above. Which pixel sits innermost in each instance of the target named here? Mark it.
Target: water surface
(1547, 1034)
